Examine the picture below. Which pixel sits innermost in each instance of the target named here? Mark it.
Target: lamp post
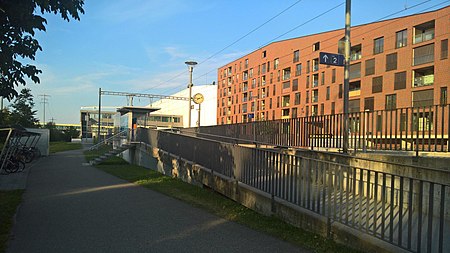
(190, 65)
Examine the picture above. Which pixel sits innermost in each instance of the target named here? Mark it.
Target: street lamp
(190, 65)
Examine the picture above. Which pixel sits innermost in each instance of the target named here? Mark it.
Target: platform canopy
(136, 110)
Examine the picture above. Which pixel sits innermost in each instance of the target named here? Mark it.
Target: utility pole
(346, 75)
(190, 65)
(44, 101)
(99, 112)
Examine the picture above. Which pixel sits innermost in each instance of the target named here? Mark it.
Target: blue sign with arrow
(331, 59)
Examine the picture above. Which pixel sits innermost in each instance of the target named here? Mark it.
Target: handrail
(96, 146)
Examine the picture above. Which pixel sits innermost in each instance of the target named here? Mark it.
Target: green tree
(4, 117)
(22, 112)
(19, 19)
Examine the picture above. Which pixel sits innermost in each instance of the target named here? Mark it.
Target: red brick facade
(397, 63)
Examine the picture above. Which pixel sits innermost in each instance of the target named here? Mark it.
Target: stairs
(110, 153)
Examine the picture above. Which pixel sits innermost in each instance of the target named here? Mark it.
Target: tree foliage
(19, 19)
(62, 135)
(22, 112)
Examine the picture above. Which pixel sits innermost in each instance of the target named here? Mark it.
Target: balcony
(424, 36)
(355, 53)
(354, 93)
(423, 81)
(423, 77)
(424, 32)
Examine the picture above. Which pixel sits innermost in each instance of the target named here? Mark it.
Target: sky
(141, 45)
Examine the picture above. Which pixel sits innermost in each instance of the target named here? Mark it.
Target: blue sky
(141, 45)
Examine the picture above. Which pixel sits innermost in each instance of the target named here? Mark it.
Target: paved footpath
(68, 207)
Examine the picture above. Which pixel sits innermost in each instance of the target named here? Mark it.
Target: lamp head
(191, 63)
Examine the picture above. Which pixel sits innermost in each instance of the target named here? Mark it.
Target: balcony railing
(423, 81)
(425, 36)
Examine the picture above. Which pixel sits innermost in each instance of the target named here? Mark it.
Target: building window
(296, 57)
(297, 98)
(285, 113)
(370, 67)
(355, 53)
(246, 64)
(423, 98)
(298, 69)
(354, 89)
(391, 102)
(353, 105)
(286, 85)
(264, 54)
(286, 100)
(423, 54)
(328, 93)
(422, 121)
(424, 32)
(322, 78)
(423, 77)
(315, 81)
(340, 91)
(391, 61)
(444, 49)
(307, 67)
(401, 38)
(378, 45)
(295, 85)
(377, 84)
(314, 110)
(333, 107)
(322, 109)
(294, 113)
(315, 64)
(268, 66)
(355, 70)
(316, 46)
(369, 104)
(379, 126)
(307, 82)
(263, 68)
(315, 96)
(286, 73)
(275, 63)
(443, 99)
(333, 75)
(307, 96)
(400, 80)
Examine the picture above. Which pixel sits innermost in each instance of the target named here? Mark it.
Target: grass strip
(63, 146)
(9, 200)
(219, 205)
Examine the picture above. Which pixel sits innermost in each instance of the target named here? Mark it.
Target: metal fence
(406, 129)
(408, 212)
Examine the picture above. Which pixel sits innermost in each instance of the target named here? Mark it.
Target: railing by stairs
(120, 142)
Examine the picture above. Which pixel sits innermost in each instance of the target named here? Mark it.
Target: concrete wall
(171, 165)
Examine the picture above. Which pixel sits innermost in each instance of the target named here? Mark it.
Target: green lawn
(63, 146)
(9, 200)
(219, 205)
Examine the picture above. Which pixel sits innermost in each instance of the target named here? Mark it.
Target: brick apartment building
(397, 63)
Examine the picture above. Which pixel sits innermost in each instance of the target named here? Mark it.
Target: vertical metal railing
(419, 129)
(411, 213)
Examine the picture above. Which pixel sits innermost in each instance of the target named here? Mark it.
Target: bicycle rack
(13, 143)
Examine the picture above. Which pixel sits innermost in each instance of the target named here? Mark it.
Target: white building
(208, 108)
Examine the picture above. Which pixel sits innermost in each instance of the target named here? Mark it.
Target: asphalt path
(69, 207)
